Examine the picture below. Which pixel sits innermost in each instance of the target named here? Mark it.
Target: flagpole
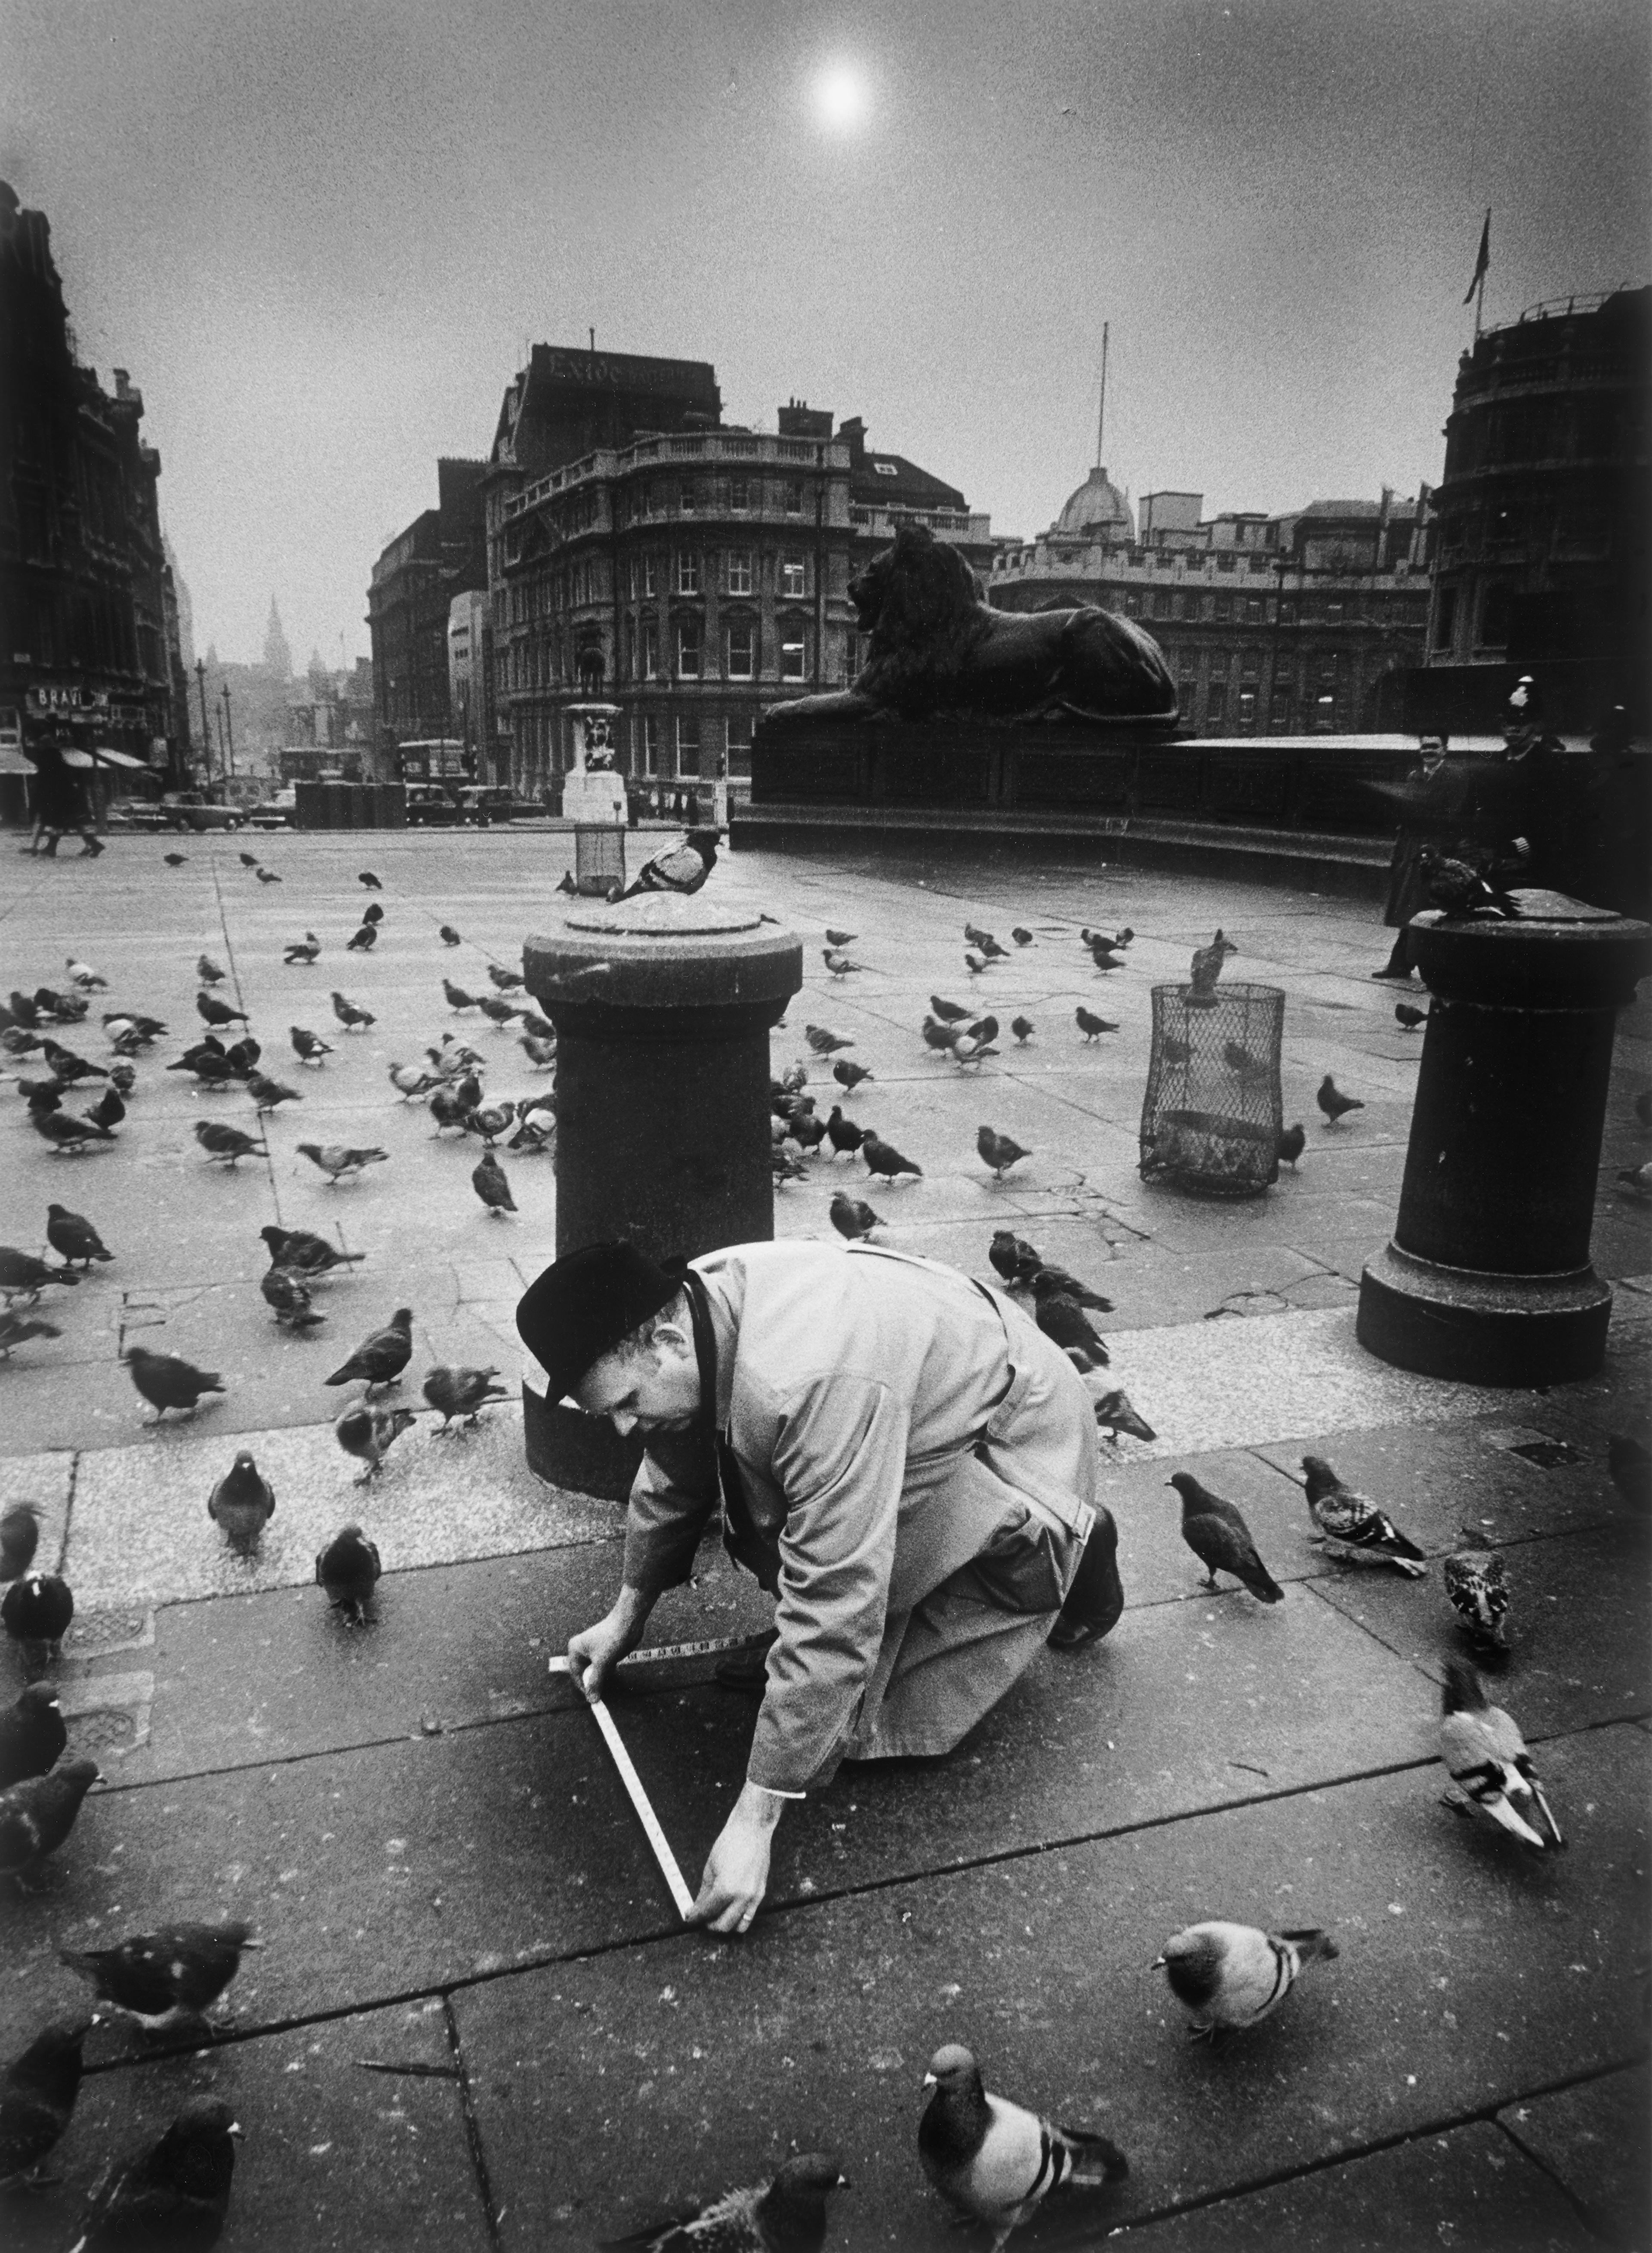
(1479, 304)
(1482, 267)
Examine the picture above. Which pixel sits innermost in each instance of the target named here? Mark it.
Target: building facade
(470, 675)
(1305, 623)
(1542, 513)
(442, 553)
(91, 639)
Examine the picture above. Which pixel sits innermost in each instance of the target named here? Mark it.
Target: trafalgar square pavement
(422, 1824)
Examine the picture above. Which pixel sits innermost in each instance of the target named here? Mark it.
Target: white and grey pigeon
(1486, 1757)
(1353, 1529)
(992, 2159)
(1234, 1974)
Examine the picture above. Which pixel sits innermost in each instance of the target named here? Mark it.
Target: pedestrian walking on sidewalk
(1407, 892)
(59, 798)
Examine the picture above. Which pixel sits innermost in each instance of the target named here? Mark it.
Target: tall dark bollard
(1487, 1277)
(662, 1007)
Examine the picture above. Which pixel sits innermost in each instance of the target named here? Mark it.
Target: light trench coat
(908, 1464)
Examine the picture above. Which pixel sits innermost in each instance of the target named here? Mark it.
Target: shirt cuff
(774, 1791)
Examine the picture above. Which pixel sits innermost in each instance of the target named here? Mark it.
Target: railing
(739, 446)
(1552, 309)
(951, 523)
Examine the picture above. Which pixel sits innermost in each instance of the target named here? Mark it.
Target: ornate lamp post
(206, 725)
(229, 727)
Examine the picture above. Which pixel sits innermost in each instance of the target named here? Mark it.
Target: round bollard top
(660, 951)
(1557, 953)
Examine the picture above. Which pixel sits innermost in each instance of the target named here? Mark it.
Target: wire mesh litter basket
(599, 858)
(1211, 1116)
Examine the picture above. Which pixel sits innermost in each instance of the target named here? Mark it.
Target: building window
(792, 653)
(649, 588)
(739, 495)
(646, 499)
(688, 649)
(686, 500)
(1334, 606)
(740, 570)
(1133, 605)
(650, 743)
(688, 743)
(1325, 712)
(1253, 610)
(792, 577)
(1246, 713)
(1446, 619)
(687, 572)
(651, 649)
(1216, 703)
(1223, 606)
(794, 497)
(740, 744)
(741, 650)
(1162, 602)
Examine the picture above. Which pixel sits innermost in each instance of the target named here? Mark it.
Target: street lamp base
(1478, 1328)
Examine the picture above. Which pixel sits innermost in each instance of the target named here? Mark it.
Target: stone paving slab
(1594, 2140)
(331, 2159)
(1156, 1564)
(1454, 1958)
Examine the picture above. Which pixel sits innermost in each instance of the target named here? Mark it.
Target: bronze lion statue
(938, 651)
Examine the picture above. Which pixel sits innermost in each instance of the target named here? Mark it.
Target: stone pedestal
(662, 1007)
(593, 797)
(1488, 1278)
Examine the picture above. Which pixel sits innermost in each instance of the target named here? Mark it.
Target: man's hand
(736, 1875)
(594, 1653)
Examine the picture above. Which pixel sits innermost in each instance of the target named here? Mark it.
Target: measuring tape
(657, 1651)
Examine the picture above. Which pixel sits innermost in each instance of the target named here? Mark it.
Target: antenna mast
(1101, 412)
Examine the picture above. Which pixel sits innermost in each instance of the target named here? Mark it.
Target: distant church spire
(278, 657)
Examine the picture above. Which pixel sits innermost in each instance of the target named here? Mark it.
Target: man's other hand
(595, 1651)
(736, 1875)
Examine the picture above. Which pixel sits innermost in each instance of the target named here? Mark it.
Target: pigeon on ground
(1091, 1025)
(363, 941)
(1205, 969)
(806, 1130)
(1021, 936)
(1628, 1460)
(1334, 1102)
(1068, 1324)
(449, 1108)
(1016, 1260)
(380, 1358)
(1485, 1758)
(884, 1159)
(372, 913)
(19, 1537)
(348, 1568)
(37, 1815)
(682, 868)
(36, 2100)
(1353, 1529)
(998, 1151)
(242, 1057)
(491, 1184)
(309, 1047)
(1023, 1029)
(175, 860)
(338, 1161)
(499, 1012)
(541, 1054)
(408, 1081)
(1047, 1283)
(786, 2215)
(447, 936)
(303, 951)
(1289, 1147)
(287, 1297)
(123, 1076)
(795, 1077)
(853, 1219)
(306, 1254)
(848, 1074)
(839, 965)
(1234, 1974)
(218, 1013)
(1407, 1017)
(489, 1120)
(207, 971)
(938, 1036)
(18, 1329)
(165, 1381)
(228, 1144)
(1477, 1590)
(841, 937)
(994, 2161)
(457, 998)
(785, 1167)
(1637, 1179)
(73, 1237)
(243, 1502)
(247, 860)
(67, 1008)
(68, 1066)
(209, 1061)
(535, 1132)
(166, 1977)
(368, 1433)
(541, 1027)
(974, 1047)
(83, 975)
(269, 1094)
(844, 1136)
(267, 876)
(31, 1736)
(1114, 1413)
(975, 963)
(366, 876)
(24, 1276)
(350, 1017)
(461, 1392)
(36, 1612)
(823, 1041)
(949, 1012)
(175, 2192)
(1221, 1540)
(508, 982)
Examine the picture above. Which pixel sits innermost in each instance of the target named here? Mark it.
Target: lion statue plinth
(938, 651)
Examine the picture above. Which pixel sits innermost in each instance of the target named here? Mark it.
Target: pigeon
(1221, 1540)
(447, 936)
(363, 941)
(853, 1219)
(461, 1392)
(999, 1152)
(1049, 1282)
(500, 1013)
(83, 975)
(408, 1081)
(541, 1027)
(1477, 1590)
(1637, 1179)
(165, 1381)
(31, 1736)
(1023, 1029)
(1485, 1758)
(228, 1144)
(23, 1276)
(367, 877)
(1020, 935)
(348, 1568)
(489, 1180)
(1626, 1459)
(883, 1159)
(844, 1136)
(73, 1237)
(67, 1008)
(1067, 1323)
(1291, 1142)
(1114, 1413)
(1091, 1025)
(37, 1815)
(824, 1043)
(971, 1048)
(218, 1013)
(1458, 888)
(372, 913)
(36, 1612)
(785, 1167)
(309, 1047)
(68, 1066)
(303, 951)
(37, 2099)
(975, 934)
(489, 1121)
(1205, 971)
(175, 860)
(267, 876)
(1407, 1017)
(1334, 1102)
(243, 1502)
(848, 1074)
(380, 1358)
(994, 2161)
(786, 2215)
(161, 1979)
(682, 868)
(18, 1329)
(457, 998)
(448, 1108)
(975, 963)
(209, 1061)
(508, 982)
(247, 860)
(808, 1131)
(269, 1094)
(369, 1433)
(536, 1133)
(19, 1537)
(839, 965)
(1239, 1060)
(949, 1012)
(122, 1075)
(175, 2192)
(541, 1054)
(350, 1017)
(1352, 1530)
(304, 1253)
(287, 1296)
(939, 1036)
(1234, 1974)
(337, 1159)
(795, 1078)
(207, 971)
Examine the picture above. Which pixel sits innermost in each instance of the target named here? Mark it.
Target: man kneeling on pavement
(902, 1458)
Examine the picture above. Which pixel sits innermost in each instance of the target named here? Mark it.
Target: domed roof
(1097, 506)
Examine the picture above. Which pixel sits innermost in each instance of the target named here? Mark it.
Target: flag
(1482, 259)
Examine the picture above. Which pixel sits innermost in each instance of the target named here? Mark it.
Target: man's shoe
(747, 1670)
(1097, 1596)
(1391, 971)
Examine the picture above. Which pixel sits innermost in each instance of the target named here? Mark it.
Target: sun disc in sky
(840, 97)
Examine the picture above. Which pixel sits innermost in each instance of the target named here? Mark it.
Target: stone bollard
(662, 1007)
(1487, 1277)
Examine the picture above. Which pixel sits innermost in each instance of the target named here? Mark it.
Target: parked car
(145, 813)
(276, 813)
(483, 803)
(430, 806)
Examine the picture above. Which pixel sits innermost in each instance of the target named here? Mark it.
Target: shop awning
(13, 762)
(106, 756)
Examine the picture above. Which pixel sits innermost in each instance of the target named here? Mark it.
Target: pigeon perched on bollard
(682, 868)
(381, 1357)
(32, 1737)
(36, 2100)
(1228, 1976)
(349, 1569)
(167, 1381)
(175, 2192)
(243, 1502)
(37, 1815)
(994, 2161)
(167, 1978)
(1219, 1537)
(368, 1433)
(1487, 1760)
(785, 2214)
(462, 1393)
(1353, 1529)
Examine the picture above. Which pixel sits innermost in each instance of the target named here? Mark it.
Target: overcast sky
(320, 233)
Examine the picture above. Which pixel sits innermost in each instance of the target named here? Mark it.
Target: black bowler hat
(584, 1305)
